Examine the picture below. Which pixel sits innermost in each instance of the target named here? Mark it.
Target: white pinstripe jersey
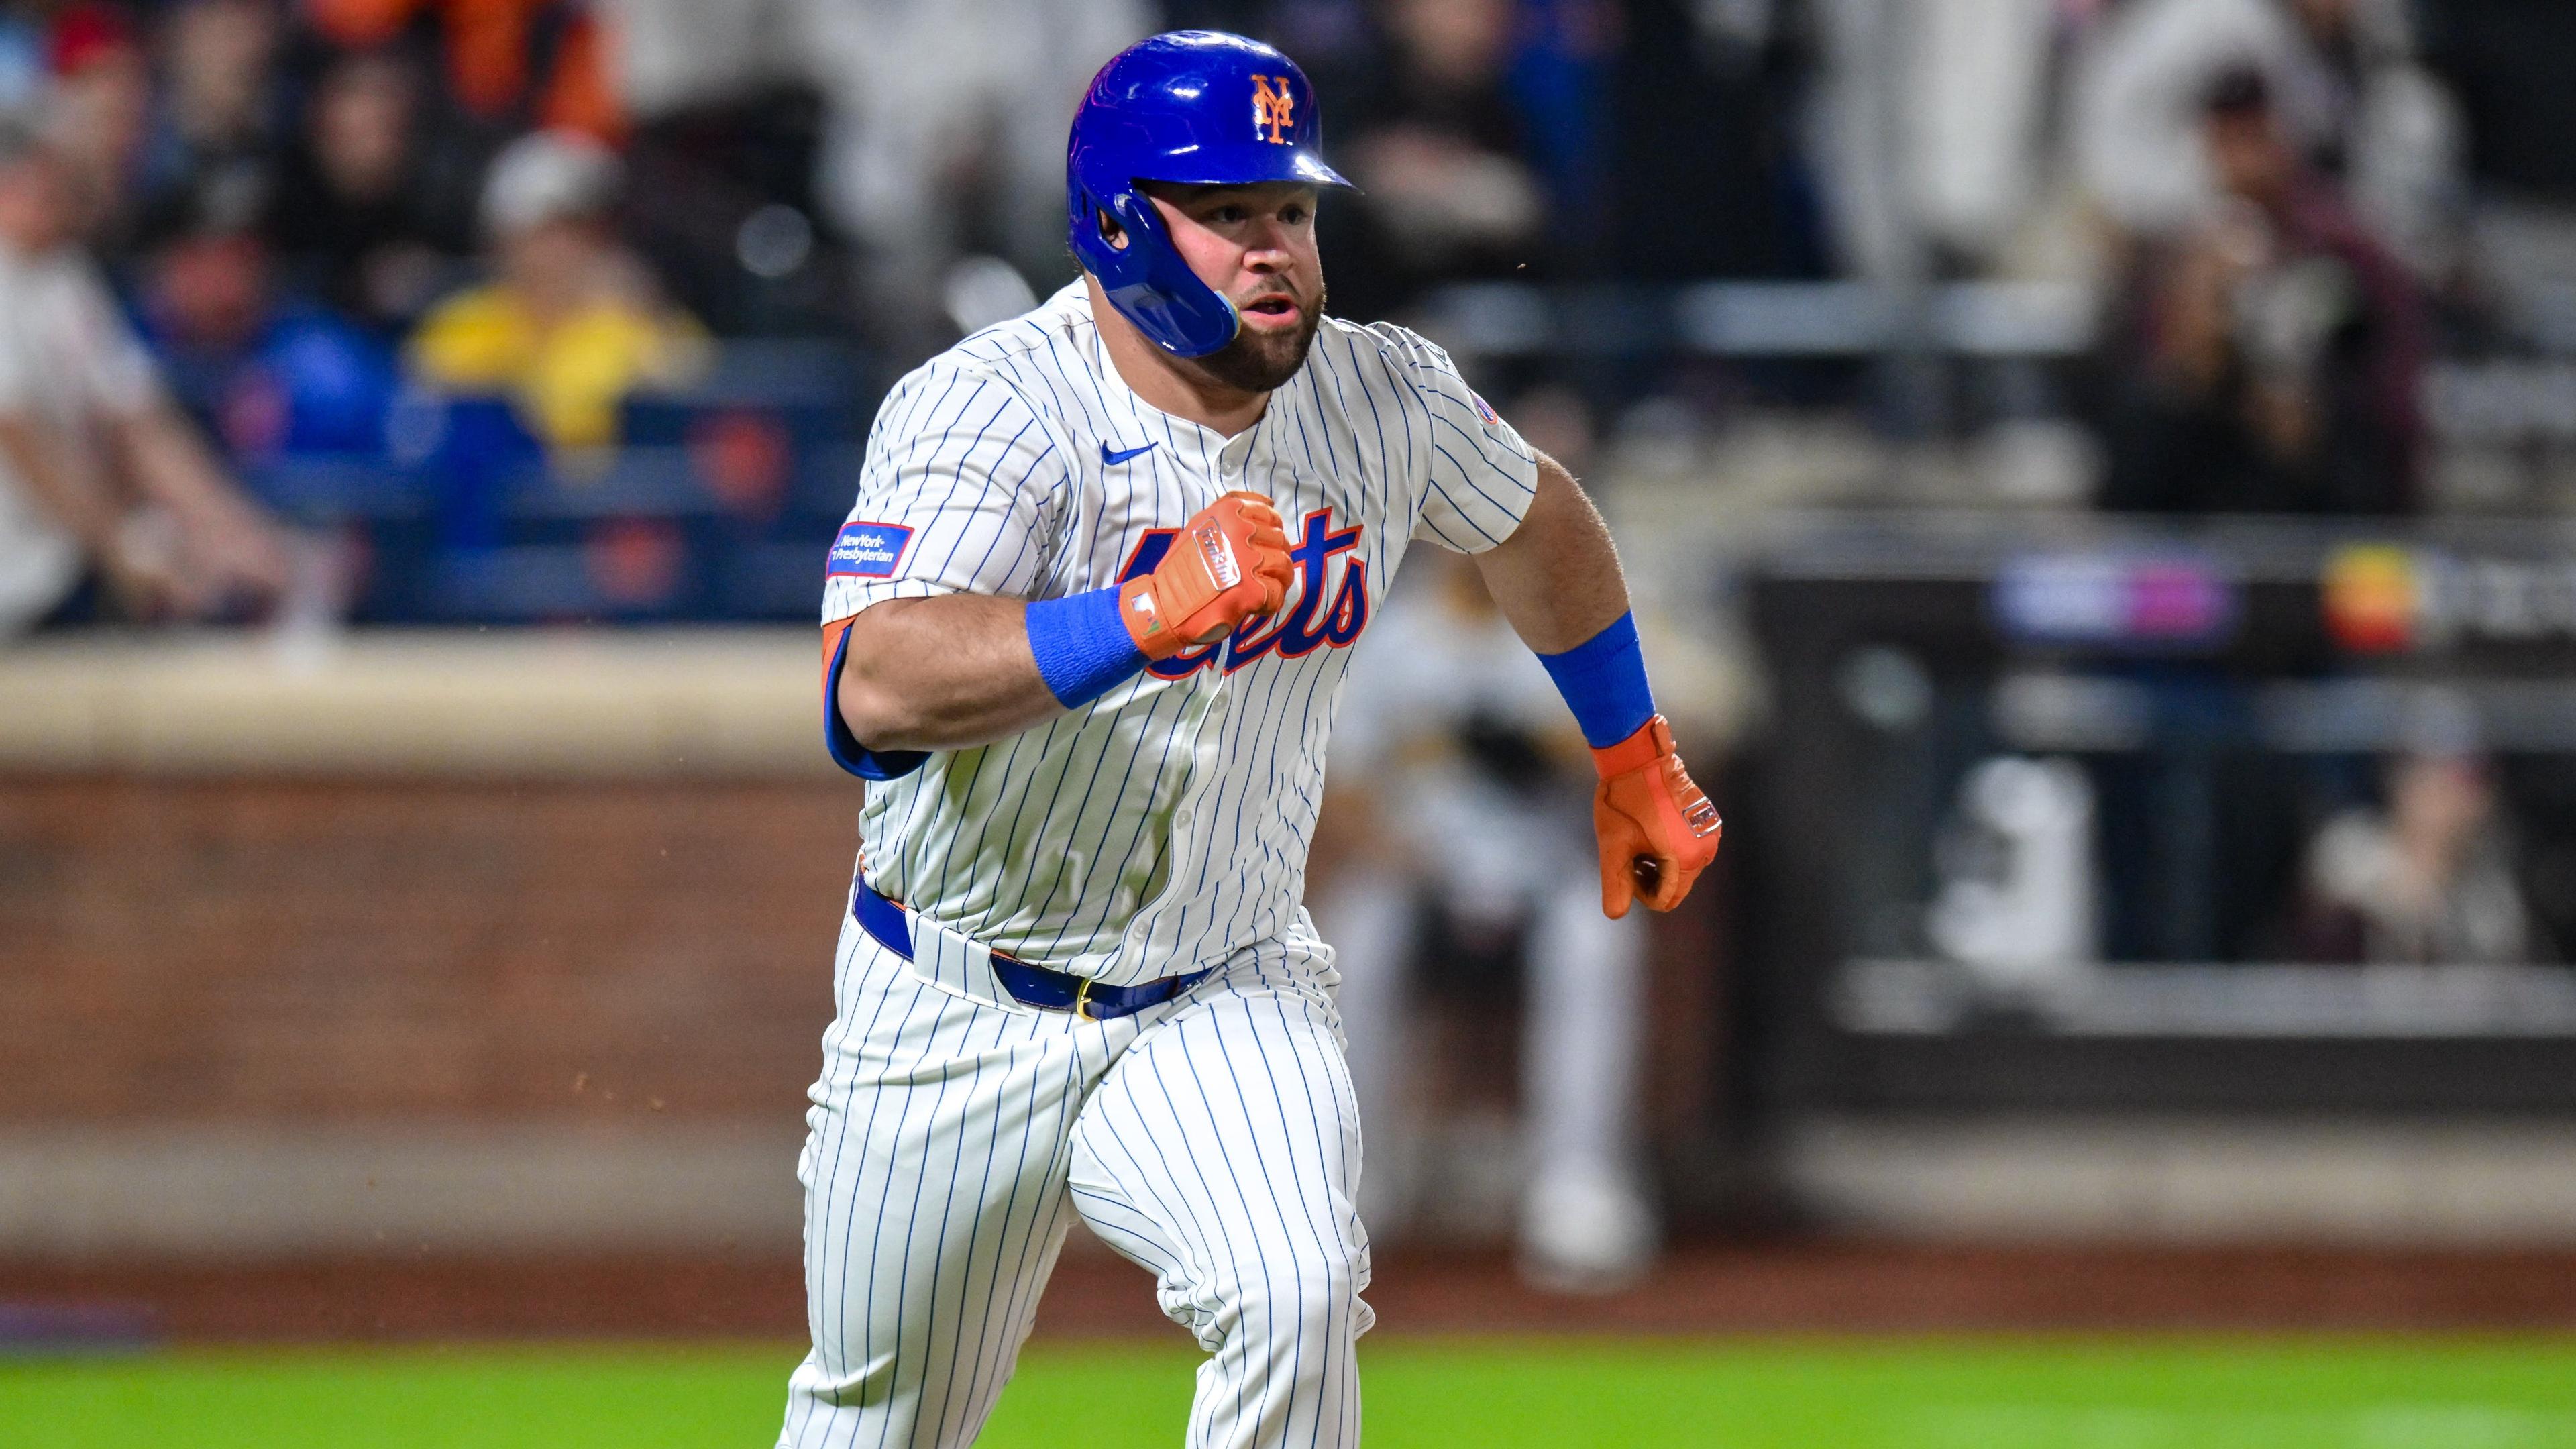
(1164, 825)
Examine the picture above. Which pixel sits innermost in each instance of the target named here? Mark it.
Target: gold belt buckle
(1082, 1001)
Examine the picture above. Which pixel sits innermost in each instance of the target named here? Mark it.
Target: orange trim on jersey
(832, 633)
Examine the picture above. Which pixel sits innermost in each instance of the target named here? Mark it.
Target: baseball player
(1085, 631)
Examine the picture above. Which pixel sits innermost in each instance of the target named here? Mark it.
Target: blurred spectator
(571, 322)
(939, 159)
(946, 137)
(2430, 879)
(269, 375)
(2278, 349)
(725, 160)
(1928, 123)
(1461, 864)
(1708, 179)
(99, 114)
(1439, 149)
(215, 127)
(373, 209)
(509, 64)
(2350, 98)
(99, 474)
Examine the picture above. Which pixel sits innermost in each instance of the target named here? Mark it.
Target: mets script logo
(1273, 108)
(866, 550)
(1317, 614)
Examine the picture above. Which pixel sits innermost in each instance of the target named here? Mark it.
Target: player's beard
(1263, 361)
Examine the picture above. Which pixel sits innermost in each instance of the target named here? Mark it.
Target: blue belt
(1031, 985)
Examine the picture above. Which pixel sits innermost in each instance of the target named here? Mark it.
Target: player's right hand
(1230, 563)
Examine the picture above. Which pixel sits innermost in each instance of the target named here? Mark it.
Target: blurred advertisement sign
(2159, 601)
(2380, 598)
(2372, 596)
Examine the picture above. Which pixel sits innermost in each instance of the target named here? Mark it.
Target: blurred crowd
(326, 233)
(556, 310)
(241, 234)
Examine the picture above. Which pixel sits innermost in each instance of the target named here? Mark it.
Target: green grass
(2148, 1393)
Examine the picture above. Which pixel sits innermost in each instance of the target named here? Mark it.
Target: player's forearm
(1557, 577)
(961, 670)
(941, 674)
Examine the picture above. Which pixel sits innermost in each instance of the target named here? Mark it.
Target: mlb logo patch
(866, 551)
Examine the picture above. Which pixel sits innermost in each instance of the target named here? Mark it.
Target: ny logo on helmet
(1273, 108)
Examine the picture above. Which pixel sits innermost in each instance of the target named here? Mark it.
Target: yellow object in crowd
(568, 376)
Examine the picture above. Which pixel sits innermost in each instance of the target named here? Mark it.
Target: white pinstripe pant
(1212, 1139)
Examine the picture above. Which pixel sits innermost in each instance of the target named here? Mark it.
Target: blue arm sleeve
(1082, 648)
(1603, 680)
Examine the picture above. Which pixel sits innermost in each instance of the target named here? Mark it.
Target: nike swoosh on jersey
(1114, 459)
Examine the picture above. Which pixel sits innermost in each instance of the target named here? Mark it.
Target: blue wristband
(1083, 649)
(1603, 680)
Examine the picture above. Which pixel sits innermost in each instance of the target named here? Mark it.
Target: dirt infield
(1773, 1289)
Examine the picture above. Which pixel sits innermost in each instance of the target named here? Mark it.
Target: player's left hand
(1657, 829)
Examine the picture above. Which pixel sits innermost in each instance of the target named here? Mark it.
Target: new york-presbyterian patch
(866, 551)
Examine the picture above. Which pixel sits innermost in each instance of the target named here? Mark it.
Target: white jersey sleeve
(1481, 475)
(960, 492)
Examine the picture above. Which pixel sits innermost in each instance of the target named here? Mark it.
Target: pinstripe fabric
(1222, 1153)
(1212, 1139)
(1160, 829)
(1163, 826)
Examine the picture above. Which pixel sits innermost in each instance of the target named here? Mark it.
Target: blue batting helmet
(1193, 107)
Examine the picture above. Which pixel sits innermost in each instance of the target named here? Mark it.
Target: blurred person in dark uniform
(371, 213)
(2273, 355)
(109, 501)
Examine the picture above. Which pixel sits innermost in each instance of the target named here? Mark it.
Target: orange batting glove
(1657, 829)
(1229, 564)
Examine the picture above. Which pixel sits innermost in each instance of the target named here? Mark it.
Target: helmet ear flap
(1147, 280)
(1087, 233)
